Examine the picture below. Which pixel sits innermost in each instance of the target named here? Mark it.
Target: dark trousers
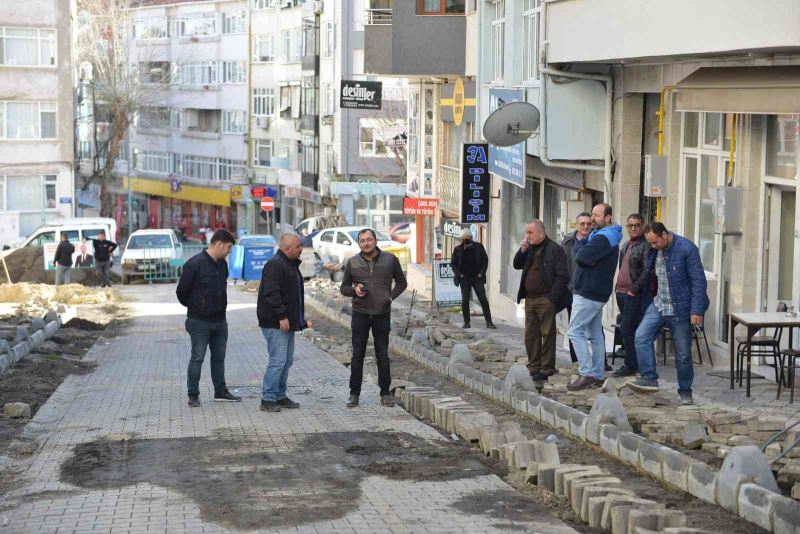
(381, 325)
(540, 335)
(467, 284)
(572, 355)
(631, 314)
(103, 268)
(211, 335)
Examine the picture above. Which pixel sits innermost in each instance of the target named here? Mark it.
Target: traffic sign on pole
(267, 204)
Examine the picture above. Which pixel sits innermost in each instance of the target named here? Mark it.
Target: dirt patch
(512, 509)
(699, 514)
(27, 265)
(240, 485)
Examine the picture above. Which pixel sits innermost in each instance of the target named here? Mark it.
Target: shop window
(783, 133)
(440, 7)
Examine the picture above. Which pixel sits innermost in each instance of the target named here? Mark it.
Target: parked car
(311, 226)
(340, 244)
(400, 232)
(77, 229)
(153, 254)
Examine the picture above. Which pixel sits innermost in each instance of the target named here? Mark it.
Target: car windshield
(150, 241)
(257, 241)
(381, 235)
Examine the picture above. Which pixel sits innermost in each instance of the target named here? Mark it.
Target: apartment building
(36, 115)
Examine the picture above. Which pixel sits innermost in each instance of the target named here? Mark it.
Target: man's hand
(697, 320)
(631, 294)
(359, 289)
(480, 275)
(309, 323)
(523, 246)
(284, 325)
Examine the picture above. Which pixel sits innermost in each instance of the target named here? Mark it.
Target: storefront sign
(237, 193)
(458, 101)
(475, 184)
(507, 162)
(65, 200)
(258, 192)
(451, 228)
(357, 94)
(420, 206)
(447, 294)
(304, 193)
(174, 184)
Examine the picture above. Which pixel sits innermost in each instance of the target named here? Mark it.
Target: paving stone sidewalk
(135, 404)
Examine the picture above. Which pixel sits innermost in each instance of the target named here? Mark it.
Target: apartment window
(231, 169)
(155, 118)
(199, 167)
(202, 120)
(263, 101)
(264, 49)
(195, 25)
(150, 28)
(152, 161)
(28, 192)
(286, 39)
(175, 121)
(156, 72)
(440, 7)
(202, 73)
(233, 71)
(234, 22)
(233, 122)
(329, 43)
(263, 4)
(530, 48)
(498, 11)
(262, 152)
(704, 167)
(329, 161)
(308, 162)
(783, 135)
(28, 120)
(373, 134)
(84, 151)
(329, 99)
(299, 45)
(27, 47)
(309, 96)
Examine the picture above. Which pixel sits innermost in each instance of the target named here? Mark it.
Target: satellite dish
(511, 124)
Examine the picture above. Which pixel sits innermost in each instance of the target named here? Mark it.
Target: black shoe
(686, 398)
(624, 371)
(609, 368)
(226, 396)
(387, 400)
(269, 406)
(644, 384)
(194, 401)
(352, 402)
(539, 377)
(466, 325)
(288, 403)
(491, 326)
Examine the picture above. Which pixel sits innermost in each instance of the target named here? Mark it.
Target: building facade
(36, 115)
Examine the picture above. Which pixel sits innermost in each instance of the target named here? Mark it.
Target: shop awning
(161, 188)
(759, 90)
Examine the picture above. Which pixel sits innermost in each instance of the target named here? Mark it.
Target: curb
(667, 465)
(23, 348)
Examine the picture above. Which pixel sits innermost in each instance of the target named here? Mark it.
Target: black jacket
(378, 282)
(636, 264)
(64, 253)
(458, 258)
(103, 249)
(555, 271)
(568, 244)
(203, 287)
(281, 294)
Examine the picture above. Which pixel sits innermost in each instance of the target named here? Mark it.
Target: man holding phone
(368, 278)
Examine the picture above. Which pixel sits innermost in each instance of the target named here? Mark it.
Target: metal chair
(765, 346)
(698, 332)
(792, 356)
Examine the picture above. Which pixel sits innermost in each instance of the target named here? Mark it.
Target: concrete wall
(587, 30)
(427, 45)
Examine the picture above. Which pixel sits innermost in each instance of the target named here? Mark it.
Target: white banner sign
(83, 257)
(447, 294)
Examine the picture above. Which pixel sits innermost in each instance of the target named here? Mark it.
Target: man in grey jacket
(368, 278)
(583, 229)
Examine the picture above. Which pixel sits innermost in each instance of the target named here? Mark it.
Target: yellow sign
(161, 188)
(458, 102)
(236, 193)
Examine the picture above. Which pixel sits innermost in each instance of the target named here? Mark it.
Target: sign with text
(82, 257)
(507, 162)
(420, 205)
(475, 183)
(357, 94)
(447, 294)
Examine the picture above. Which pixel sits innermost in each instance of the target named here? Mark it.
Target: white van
(77, 229)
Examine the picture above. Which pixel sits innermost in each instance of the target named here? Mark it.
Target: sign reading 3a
(475, 183)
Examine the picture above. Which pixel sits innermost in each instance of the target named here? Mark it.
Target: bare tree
(123, 82)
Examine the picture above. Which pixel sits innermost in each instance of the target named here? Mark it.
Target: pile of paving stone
(20, 334)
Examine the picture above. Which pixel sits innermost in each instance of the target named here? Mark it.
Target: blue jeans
(206, 335)
(63, 274)
(281, 355)
(646, 335)
(585, 328)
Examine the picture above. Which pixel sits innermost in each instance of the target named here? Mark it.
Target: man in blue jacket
(596, 260)
(676, 298)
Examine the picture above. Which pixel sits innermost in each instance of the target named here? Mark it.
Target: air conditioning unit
(262, 122)
(318, 6)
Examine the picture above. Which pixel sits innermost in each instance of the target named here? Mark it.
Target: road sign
(420, 205)
(267, 204)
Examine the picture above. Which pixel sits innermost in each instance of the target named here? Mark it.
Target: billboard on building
(358, 94)
(507, 162)
(475, 183)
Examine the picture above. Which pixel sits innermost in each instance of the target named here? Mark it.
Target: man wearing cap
(469, 263)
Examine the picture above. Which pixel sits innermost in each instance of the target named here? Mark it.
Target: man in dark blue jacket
(281, 313)
(676, 298)
(593, 282)
(203, 290)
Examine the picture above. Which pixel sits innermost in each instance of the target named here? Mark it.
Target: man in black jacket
(469, 263)
(203, 290)
(545, 275)
(63, 260)
(281, 313)
(632, 258)
(103, 249)
(368, 280)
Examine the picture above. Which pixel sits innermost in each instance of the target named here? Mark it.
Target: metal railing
(448, 187)
(378, 17)
(155, 264)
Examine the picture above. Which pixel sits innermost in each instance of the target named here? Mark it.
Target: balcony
(632, 29)
(308, 123)
(398, 41)
(448, 188)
